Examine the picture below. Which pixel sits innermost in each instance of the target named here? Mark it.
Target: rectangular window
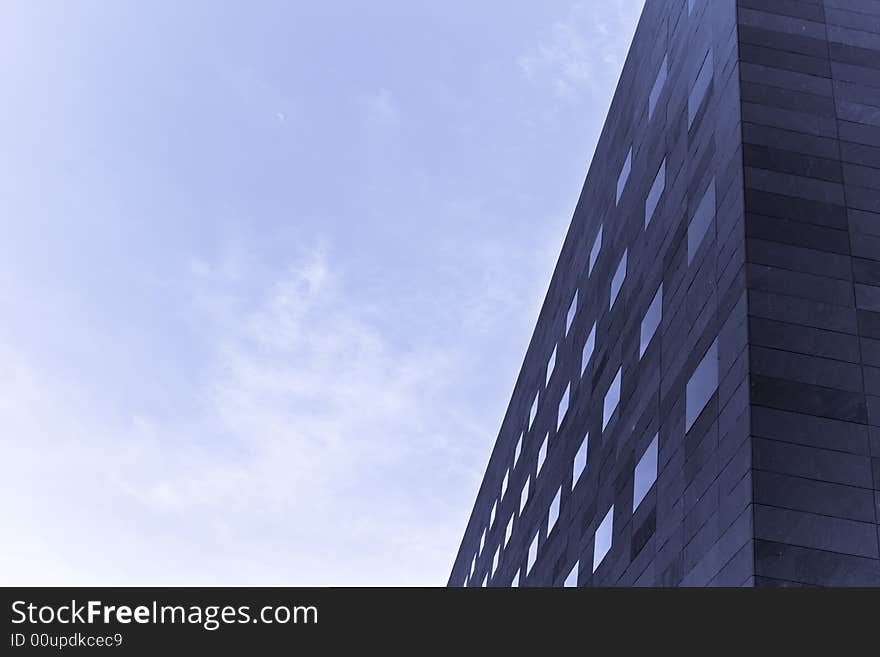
(655, 192)
(701, 86)
(517, 450)
(701, 221)
(612, 398)
(553, 515)
(515, 582)
(617, 280)
(701, 386)
(651, 321)
(508, 531)
(533, 554)
(645, 474)
(542, 453)
(524, 496)
(563, 407)
(659, 83)
(533, 411)
(580, 460)
(572, 579)
(551, 365)
(604, 536)
(589, 345)
(594, 251)
(572, 311)
(624, 175)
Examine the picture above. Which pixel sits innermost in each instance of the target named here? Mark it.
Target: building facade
(700, 401)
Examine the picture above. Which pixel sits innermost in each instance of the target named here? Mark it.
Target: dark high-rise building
(700, 401)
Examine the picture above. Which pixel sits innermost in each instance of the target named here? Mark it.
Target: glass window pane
(542, 453)
(612, 397)
(524, 496)
(580, 460)
(518, 449)
(563, 407)
(533, 411)
(646, 473)
(594, 251)
(572, 311)
(492, 514)
(701, 221)
(655, 192)
(604, 535)
(651, 321)
(657, 89)
(617, 281)
(515, 582)
(533, 554)
(572, 579)
(504, 483)
(701, 386)
(624, 174)
(554, 511)
(701, 86)
(589, 345)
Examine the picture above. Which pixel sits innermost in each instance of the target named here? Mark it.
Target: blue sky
(268, 271)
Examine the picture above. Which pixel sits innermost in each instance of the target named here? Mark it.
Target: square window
(657, 89)
(572, 311)
(651, 321)
(617, 280)
(701, 86)
(533, 554)
(594, 251)
(563, 406)
(589, 345)
(551, 365)
(655, 192)
(624, 175)
(612, 398)
(701, 386)
(645, 474)
(533, 411)
(553, 515)
(542, 453)
(701, 221)
(572, 579)
(580, 460)
(604, 536)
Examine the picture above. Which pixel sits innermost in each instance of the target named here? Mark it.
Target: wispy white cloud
(583, 49)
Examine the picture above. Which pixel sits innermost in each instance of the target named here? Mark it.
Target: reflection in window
(594, 251)
(589, 345)
(554, 512)
(580, 460)
(700, 222)
(533, 553)
(563, 406)
(604, 535)
(657, 89)
(617, 281)
(551, 365)
(646, 474)
(624, 175)
(701, 386)
(572, 579)
(701, 86)
(612, 398)
(651, 321)
(655, 192)
(542, 452)
(572, 311)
